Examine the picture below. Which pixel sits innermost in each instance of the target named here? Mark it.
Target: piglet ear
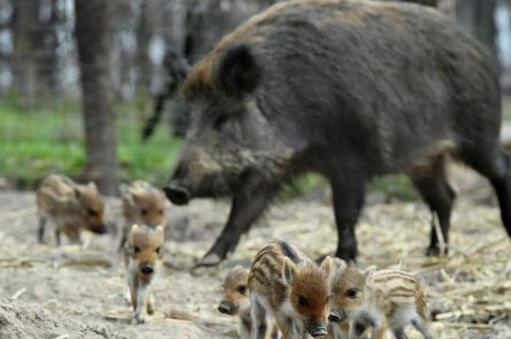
(92, 186)
(238, 73)
(78, 193)
(326, 266)
(288, 271)
(124, 189)
(339, 266)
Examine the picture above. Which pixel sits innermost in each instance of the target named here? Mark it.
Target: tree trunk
(47, 44)
(24, 27)
(93, 36)
(478, 18)
(143, 33)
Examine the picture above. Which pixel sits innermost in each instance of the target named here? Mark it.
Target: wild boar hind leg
(246, 208)
(348, 198)
(434, 188)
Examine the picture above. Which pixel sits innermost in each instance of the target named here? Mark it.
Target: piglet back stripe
(289, 252)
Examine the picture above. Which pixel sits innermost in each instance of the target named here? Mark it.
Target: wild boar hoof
(434, 251)
(210, 259)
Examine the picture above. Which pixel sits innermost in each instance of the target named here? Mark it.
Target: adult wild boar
(348, 89)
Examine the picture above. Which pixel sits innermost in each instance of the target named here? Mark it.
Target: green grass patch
(395, 187)
(48, 138)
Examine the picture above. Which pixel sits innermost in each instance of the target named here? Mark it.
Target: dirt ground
(73, 292)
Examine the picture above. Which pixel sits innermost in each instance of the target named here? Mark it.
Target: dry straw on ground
(74, 292)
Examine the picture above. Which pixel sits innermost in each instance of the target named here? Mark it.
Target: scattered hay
(469, 291)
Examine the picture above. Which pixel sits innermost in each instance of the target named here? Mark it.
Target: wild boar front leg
(434, 188)
(247, 206)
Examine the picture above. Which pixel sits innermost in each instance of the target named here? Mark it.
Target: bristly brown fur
(292, 287)
(389, 293)
(70, 206)
(200, 79)
(144, 255)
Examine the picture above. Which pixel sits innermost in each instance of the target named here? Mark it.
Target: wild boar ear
(238, 73)
(288, 271)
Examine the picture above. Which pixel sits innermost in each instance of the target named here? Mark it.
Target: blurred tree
(51, 15)
(478, 17)
(25, 16)
(93, 34)
(143, 35)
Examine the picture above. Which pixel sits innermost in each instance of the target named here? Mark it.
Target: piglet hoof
(138, 319)
(210, 259)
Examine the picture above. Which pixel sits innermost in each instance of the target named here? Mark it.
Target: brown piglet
(70, 207)
(378, 299)
(287, 285)
(144, 251)
(142, 204)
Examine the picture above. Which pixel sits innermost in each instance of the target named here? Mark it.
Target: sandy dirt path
(79, 292)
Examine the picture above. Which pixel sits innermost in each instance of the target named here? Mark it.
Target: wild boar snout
(99, 229)
(175, 190)
(334, 317)
(177, 194)
(226, 308)
(147, 268)
(317, 329)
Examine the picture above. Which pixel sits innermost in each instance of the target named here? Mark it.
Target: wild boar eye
(92, 212)
(143, 211)
(160, 212)
(302, 301)
(242, 289)
(158, 250)
(136, 249)
(351, 293)
(220, 121)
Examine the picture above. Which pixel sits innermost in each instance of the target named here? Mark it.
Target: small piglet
(142, 204)
(377, 299)
(70, 207)
(144, 252)
(236, 300)
(286, 284)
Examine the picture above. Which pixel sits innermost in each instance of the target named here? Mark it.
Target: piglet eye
(158, 250)
(92, 212)
(160, 212)
(351, 293)
(136, 249)
(302, 301)
(143, 211)
(242, 289)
